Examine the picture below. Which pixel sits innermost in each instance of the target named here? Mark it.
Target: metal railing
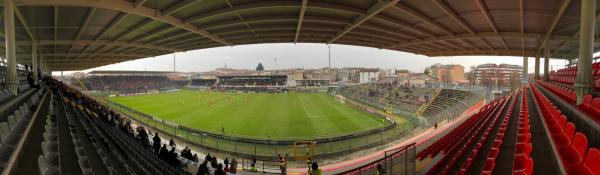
(265, 148)
(400, 161)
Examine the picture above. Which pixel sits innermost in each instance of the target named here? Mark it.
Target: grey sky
(304, 55)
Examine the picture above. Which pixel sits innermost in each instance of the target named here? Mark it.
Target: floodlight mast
(329, 57)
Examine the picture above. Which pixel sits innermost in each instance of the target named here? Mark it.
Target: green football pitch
(256, 115)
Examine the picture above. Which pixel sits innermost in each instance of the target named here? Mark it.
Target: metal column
(537, 67)
(583, 83)
(34, 64)
(525, 69)
(547, 61)
(11, 56)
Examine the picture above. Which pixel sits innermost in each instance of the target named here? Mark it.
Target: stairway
(424, 107)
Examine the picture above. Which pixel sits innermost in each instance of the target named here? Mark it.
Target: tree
(260, 67)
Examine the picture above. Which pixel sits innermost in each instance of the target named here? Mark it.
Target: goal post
(302, 150)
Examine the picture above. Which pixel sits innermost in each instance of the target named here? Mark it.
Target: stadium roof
(81, 34)
(122, 72)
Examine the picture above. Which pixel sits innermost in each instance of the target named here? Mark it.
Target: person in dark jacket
(203, 169)
(163, 154)
(156, 143)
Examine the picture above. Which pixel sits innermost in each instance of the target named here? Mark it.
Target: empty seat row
(12, 130)
(571, 146)
(495, 143)
(467, 125)
(48, 162)
(590, 104)
(80, 152)
(523, 163)
(468, 135)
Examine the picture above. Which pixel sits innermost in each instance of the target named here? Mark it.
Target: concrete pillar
(537, 67)
(583, 83)
(547, 61)
(11, 56)
(525, 69)
(34, 64)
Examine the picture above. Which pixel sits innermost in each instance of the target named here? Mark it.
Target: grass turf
(256, 115)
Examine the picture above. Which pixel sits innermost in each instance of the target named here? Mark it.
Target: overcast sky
(304, 56)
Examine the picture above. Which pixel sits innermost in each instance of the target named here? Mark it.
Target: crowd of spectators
(115, 119)
(166, 153)
(260, 84)
(130, 84)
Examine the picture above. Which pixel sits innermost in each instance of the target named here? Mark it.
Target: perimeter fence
(268, 148)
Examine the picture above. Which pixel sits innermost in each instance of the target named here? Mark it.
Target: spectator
(314, 169)
(156, 143)
(195, 158)
(219, 170)
(253, 165)
(163, 154)
(172, 143)
(142, 136)
(282, 165)
(226, 162)
(203, 169)
(233, 167)
(214, 162)
(208, 157)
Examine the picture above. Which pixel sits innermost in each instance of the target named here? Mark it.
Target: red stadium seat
(493, 153)
(564, 139)
(524, 138)
(587, 102)
(523, 149)
(488, 167)
(557, 125)
(573, 155)
(590, 165)
(523, 166)
(595, 107)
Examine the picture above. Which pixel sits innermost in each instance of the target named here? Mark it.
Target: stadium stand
(252, 83)
(204, 82)
(129, 84)
(567, 76)
(436, 105)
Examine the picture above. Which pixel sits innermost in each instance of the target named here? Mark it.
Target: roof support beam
(153, 33)
(576, 34)
(133, 29)
(84, 25)
(481, 52)
(453, 15)
(126, 7)
(373, 10)
(108, 28)
(489, 19)
(300, 19)
(24, 23)
(442, 5)
(560, 13)
(522, 31)
(480, 36)
(99, 42)
(174, 8)
(138, 3)
(422, 17)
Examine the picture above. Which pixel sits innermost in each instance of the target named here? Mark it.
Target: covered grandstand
(128, 82)
(548, 126)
